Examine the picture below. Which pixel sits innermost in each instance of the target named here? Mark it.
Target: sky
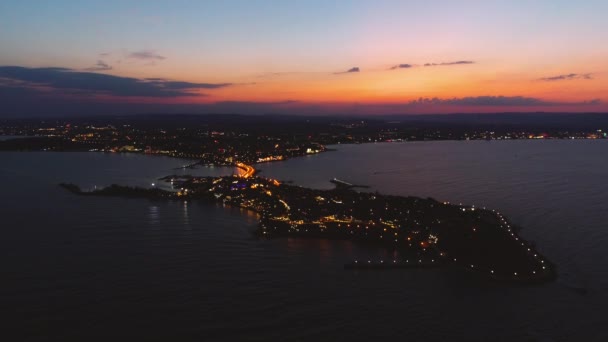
(65, 58)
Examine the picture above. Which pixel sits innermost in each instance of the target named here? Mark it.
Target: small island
(425, 232)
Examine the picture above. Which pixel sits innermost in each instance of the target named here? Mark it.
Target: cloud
(351, 70)
(69, 81)
(146, 55)
(503, 101)
(402, 66)
(449, 63)
(278, 74)
(181, 85)
(592, 102)
(100, 66)
(567, 77)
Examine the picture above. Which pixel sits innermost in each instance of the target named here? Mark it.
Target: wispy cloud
(279, 74)
(146, 55)
(100, 66)
(401, 66)
(503, 101)
(70, 81)
(449, 63)
(181, 85)
(351, 70)
(567, 77)
(592, 102)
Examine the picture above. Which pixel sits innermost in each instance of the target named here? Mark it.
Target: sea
(9, 137)
(115, 269)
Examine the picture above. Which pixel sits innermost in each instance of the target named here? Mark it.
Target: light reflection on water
(186, 217)
(153, 215)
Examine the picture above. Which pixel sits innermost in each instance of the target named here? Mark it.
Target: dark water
(115, 269)
(9, 137)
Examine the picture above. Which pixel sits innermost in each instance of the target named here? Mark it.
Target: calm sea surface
(101, 269)
(8, 137)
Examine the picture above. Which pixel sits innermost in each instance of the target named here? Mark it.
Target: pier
(340, 184)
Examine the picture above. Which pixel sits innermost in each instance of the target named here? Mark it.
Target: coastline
(274, 224)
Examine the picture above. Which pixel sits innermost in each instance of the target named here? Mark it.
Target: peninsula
(425, 232)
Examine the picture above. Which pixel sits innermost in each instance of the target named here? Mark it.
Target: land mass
(224, 139)
(425, 232)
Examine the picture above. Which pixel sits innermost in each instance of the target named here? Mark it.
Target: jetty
(340, 184)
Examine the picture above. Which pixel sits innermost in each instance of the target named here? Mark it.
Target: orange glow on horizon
(378, 89)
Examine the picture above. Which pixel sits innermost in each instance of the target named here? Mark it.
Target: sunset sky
(302, 57)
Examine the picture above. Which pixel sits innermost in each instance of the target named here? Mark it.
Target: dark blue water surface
(9, 137)
(100, 269)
